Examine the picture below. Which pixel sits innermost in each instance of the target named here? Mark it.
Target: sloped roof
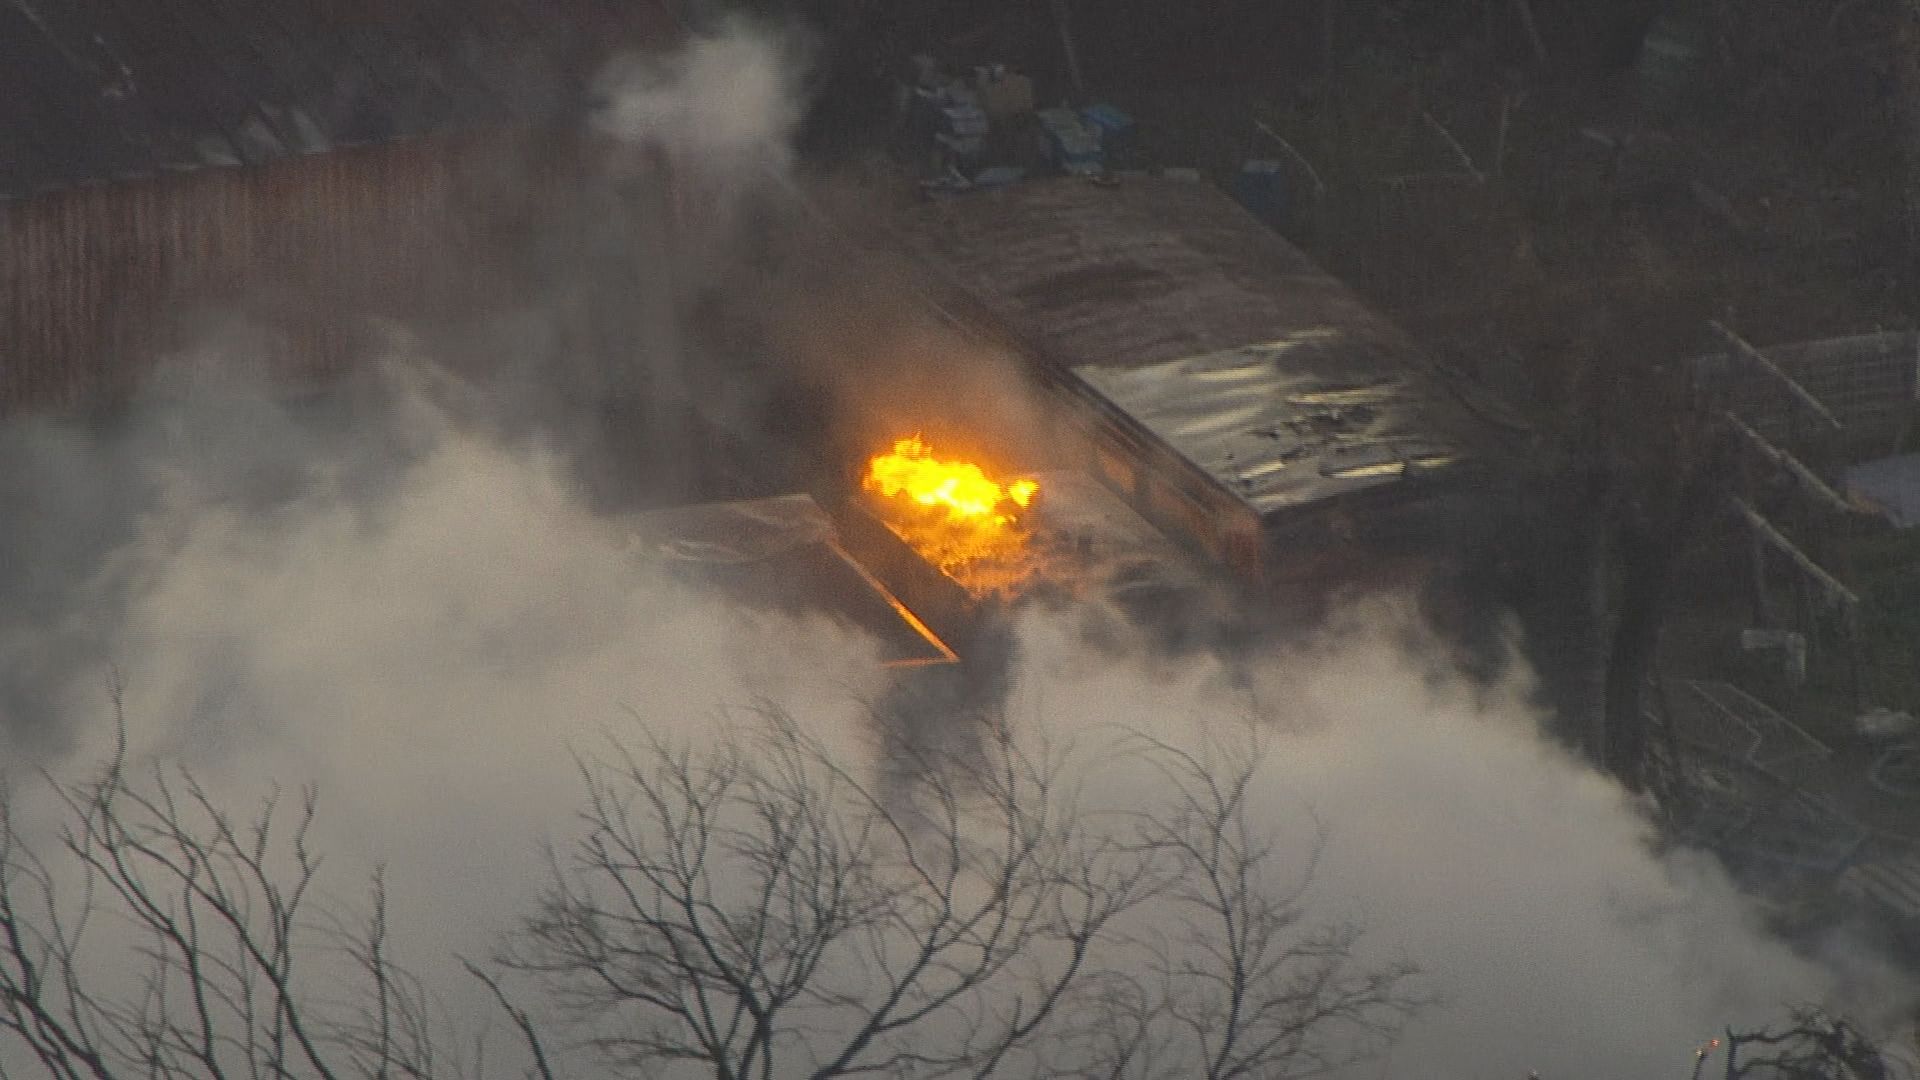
(1280, 424)
(1146, 270)
(784, 553)
(1206, 329)
(95, 91)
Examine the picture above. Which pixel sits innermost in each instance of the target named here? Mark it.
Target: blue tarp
(1891, 485)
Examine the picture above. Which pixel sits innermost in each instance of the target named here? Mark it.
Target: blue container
(1072, 144)
(1107, 120)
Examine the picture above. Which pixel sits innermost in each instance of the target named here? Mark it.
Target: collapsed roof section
(1279, 424)
(96, 91)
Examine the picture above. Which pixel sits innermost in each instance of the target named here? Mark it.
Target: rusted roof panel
(1148, 270)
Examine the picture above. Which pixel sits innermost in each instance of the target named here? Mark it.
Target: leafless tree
(1813, 1046)
(158, 936)
(757, 909)
(760, 910)
(1257, 989)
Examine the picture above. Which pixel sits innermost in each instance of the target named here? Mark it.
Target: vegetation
(753, 909)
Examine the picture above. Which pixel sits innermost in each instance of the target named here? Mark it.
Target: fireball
(952, 513)
(961, 488)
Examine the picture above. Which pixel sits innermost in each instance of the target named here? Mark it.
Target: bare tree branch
(761, 909)
(235, 954)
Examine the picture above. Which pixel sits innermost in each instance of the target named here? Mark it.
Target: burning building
(961, 546)
(315, 167)
(1235, 394)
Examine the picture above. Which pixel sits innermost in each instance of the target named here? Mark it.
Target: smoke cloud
(384, 592)
(1523, 881)
(431, 647)
(728, 103)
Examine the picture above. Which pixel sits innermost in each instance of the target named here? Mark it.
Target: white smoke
(427, 621)
(731, 100)
(430, 653)
(720, 113)
(1523, 881)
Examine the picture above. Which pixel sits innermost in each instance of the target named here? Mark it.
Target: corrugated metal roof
(1206, 328)
(784, 553)
(1890, 877)
(102, 90)
(1281, 423)
(1149, 269)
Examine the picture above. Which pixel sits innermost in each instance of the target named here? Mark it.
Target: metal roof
(1281, 423)
(95, 91)
(1148, 269)
(1205, 328)
(784, 553)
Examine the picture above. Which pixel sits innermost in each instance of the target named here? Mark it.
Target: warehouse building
(1235, 393)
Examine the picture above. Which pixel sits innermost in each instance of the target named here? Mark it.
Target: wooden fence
(97, 283)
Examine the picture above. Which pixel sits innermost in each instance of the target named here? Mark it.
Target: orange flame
(951, 512)
(963, 489)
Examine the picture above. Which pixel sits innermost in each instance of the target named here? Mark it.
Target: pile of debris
(985, 129)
